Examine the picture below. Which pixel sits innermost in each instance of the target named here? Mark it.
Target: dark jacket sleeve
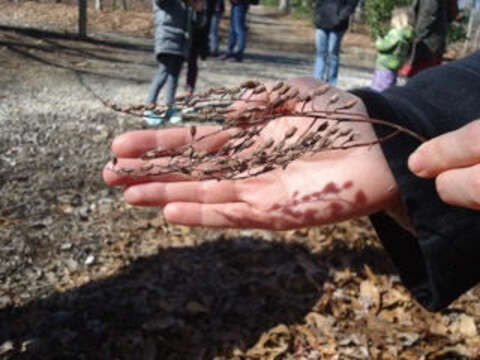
(347, 10)
(443, 260)
(333, 14)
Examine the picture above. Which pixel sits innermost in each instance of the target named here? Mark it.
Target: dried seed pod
(231, 91)
(193, 131)
(224, 110)
(250, 84)
(239, 134)
(284, 89)
(188, 152)
(332, 131)
(348, 105)
(268, 144)
(154, 153)
(257, 108)
(290, 132)
(277, 86)
(243, 117)
(349, 139)
(320, 91)
(323, 126)
(217, 117)
(305, 97)
(345, 132)
(147, 167)
(259, 89)
(293, 94)
(248, 143)
(333, 99)
(277, 101)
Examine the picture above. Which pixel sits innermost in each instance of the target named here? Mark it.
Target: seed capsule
(323, 126)
(277, 86)
(290, 132)
(250, 84)
(321, 90)
(193, 131)
(334, 99)
(349, 104)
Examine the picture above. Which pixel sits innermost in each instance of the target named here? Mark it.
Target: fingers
(231, 215)
(128, 147)
(460, 187)
(136, 171)
(459, 148)
(160, 194)
(136, 143)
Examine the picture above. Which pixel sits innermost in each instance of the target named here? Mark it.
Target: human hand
(316, 189)
(453, 159)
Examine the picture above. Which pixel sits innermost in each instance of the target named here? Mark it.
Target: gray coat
(171, 19)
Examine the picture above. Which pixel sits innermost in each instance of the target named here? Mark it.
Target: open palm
(315, 189)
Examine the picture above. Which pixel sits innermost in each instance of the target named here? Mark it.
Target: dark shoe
(226, 56)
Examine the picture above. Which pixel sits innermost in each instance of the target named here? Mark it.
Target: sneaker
(152, 118)
(175, 117)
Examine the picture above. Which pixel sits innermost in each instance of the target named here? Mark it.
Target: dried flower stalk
(244, 113)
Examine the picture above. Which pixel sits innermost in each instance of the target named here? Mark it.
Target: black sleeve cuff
(443, 261)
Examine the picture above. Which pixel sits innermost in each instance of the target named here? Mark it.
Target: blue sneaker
(153, 119)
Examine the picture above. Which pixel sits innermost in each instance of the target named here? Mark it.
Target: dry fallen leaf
(271, 344)
(464, 325)
(369, 295)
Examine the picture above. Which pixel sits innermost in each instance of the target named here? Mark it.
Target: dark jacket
(442, 261)
(171, 19)
(431, 25)
(333, 14)
(215, 6)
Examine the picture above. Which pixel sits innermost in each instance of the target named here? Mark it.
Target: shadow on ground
(183, 303)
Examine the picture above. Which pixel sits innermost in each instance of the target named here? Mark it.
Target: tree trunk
(284, 6)
(99, 5)
(82, 18)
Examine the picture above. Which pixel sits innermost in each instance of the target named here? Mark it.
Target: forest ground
(84, 276)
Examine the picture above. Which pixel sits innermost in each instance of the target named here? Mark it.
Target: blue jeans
(213, 38)
(238, 31)
(168, 72)
(327, 43)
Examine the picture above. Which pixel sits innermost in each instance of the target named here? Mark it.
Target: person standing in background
(237, 36)
(431, 26)
(171, 20)
(215, 11)
(199, 44)
(331, 22)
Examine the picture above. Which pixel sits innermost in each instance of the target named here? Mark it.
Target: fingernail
(415, 163)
